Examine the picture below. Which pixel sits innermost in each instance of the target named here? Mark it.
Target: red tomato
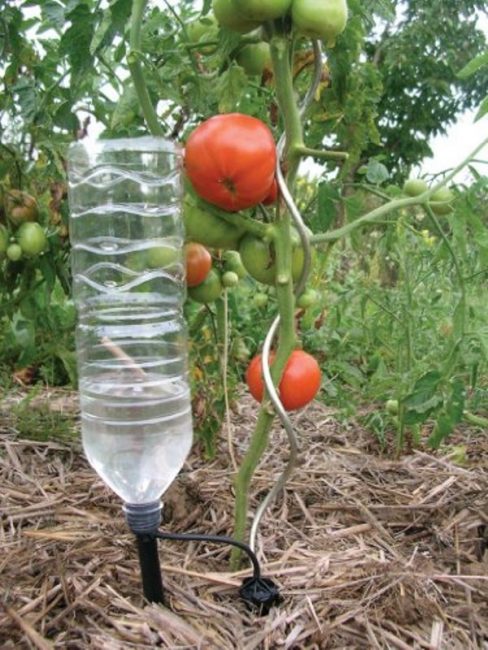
(198, 263)
(230, 160)
(299, 383)
(272, 195)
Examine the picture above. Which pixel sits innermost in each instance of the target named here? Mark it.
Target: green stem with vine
(282, 241)
(378, 213)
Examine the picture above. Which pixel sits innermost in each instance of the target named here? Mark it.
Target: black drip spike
(260, 594)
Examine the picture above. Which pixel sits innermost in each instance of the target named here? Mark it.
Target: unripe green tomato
(203, 30)
(14, 252)
(208, 290)
(230, 279)
(392, 406)
(230, 18)
(445, 195)
(232, 262)
(324, 19)
(254, 58)
(31, 239)
(240, 351)
(262, 10)
(3, 241)
(207, 229)
(307, 299)
(260, 300)
(161, 256)
(259, 259)
(415, 187)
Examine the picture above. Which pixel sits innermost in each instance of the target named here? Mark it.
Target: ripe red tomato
(230, 160)
(272, 195)
(299, 383)
(198, 263)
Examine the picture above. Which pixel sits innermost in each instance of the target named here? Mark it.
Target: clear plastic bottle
(128, 285)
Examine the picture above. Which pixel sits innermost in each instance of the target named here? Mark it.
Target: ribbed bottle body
(128, 285)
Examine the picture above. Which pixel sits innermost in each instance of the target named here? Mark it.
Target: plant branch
(134, 63)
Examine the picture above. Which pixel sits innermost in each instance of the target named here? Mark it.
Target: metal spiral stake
(268, 381)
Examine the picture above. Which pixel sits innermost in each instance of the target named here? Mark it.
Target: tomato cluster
(22, 236)
(324, 20)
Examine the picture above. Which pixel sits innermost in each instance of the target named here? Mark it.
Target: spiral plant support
(305, 241)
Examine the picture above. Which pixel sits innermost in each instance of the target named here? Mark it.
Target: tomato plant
(198, 263)
(299, 384)
(230, 160)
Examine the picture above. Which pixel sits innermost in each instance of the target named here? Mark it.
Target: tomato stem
(282, 239)
(134, 63)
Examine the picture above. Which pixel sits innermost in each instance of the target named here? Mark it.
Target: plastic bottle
(128, 285)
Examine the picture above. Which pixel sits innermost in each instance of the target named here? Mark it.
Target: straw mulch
(369, 552)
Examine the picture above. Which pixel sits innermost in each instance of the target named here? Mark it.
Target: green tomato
(415, 187)
(228, 17)
(392, 406)
(240, 351)
(204, 30)
(207, 229)
(254, 58)
(208, 290)
(3, 240)
(230, 279)
(14, 252)
(262, 10)
(324, 19)
(307, 299)
(260, 300)
(31, 238)
(232, 262)
(161, 256)
(445, 198)
(258, 258)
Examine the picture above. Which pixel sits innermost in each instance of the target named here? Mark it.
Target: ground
(368, 551)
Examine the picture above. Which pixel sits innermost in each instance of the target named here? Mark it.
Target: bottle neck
(143, 518)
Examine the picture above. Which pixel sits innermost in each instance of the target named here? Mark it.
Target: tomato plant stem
(322, 154)
(284, 285)
(133, 61)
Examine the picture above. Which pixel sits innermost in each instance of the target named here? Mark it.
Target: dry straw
(369, 552)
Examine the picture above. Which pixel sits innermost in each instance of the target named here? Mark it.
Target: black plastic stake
(152, 583)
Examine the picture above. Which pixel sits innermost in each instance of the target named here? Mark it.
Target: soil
(368, 551)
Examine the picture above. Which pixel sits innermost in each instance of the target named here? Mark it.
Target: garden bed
(369, 552)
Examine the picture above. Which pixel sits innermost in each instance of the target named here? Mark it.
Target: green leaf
(423, 395)
(474, 65)
(230, 88)
(76, 40)
(376, 172)
(327, 199)
(483, 110)
(451, 415)
(52, 14)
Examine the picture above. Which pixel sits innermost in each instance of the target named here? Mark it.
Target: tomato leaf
(230, 88)
(451, 415)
